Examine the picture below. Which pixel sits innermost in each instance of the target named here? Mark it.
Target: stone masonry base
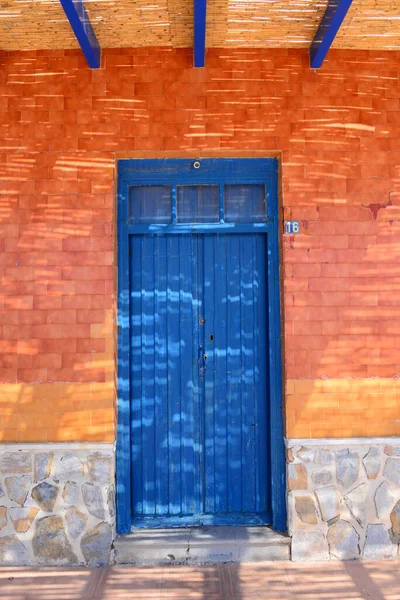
(57, 501)
(344, 498)
(57, 504)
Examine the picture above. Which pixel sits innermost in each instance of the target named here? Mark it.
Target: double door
(198, 379)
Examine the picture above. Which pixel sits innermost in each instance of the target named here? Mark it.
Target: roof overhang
(42, 24)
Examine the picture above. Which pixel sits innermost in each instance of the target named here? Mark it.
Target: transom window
(229, 203)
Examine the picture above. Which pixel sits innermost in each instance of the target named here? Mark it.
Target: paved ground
(266, 581)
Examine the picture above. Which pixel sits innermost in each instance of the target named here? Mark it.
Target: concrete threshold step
(201, 545)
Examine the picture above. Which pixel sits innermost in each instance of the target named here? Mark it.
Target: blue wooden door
(198, 379)
(200, 432)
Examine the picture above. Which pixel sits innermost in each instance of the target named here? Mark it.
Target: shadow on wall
(341, 293)
(337, 130)
(56, 220)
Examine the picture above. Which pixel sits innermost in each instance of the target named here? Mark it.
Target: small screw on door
(201, 320)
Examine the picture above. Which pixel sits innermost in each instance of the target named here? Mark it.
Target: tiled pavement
(266, 581)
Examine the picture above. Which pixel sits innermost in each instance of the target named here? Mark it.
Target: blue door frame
(184, 171)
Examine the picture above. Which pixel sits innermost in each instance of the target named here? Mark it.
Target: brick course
(336, 131)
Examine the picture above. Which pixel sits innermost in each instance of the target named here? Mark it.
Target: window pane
(150, 203)
(245, 203)
(197, 204)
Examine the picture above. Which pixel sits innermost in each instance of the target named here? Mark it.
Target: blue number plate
(292, 227)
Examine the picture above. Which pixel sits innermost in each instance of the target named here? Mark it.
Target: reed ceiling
(42, 24)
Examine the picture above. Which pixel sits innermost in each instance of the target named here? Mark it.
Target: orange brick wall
(62, 128)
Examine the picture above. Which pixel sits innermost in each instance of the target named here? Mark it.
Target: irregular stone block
(306, 509)
(392, 450)
(18, 488)
(70, 493)
(101, 468)
(372, 462)
(70, 467)
(378, 543)
(96, 545)
(289, 455)
(111, 501)
(43, 464)
(383, 500)
(395, 518)
(324, 457)
(16, 462)
(23, 518)
(45, 495)
(343, 541)
(12, 551)
(3, 517)
(76, 522)
(309, 546)
(347, 467)
(321, 476)
(329, 502)
(2, 493)
(50, 542)
(297, 477)
(93, 499)
(392, 470)
(357, 500)
(306, 454)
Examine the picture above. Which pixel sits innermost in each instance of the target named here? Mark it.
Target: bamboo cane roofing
(42, 24)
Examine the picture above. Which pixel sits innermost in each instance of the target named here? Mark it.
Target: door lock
(202, 357)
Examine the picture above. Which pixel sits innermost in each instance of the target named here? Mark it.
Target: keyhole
(205, 357)
(212, 337)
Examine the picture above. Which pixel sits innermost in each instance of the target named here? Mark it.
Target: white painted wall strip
(342, 441)
(13, 447)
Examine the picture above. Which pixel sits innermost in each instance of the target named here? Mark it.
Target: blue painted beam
(200, 9)
(79, 21)
(330, 25)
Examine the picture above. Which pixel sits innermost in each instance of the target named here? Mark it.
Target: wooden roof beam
(81, 26)
(199, 46)
(330, 25)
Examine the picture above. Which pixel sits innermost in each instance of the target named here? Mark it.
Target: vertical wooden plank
(148, 375)
(261, 381)
(174, 376)
(161, 377)
(212, 441)
(234, 377)
(136, 423)
(199, 341)
(249, 432)
(189, 402)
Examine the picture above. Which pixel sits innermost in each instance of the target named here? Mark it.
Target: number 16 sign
(292, 227)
